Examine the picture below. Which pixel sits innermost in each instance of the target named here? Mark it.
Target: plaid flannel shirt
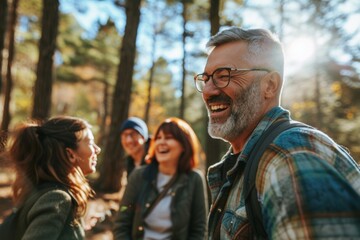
(308, 186)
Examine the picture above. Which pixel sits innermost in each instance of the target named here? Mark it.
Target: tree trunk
(214, 16)
(113, 165)
(9, 82)
(3, 24)
(183, 85)
(151, 77)
(44, 73)
(104, 115)
(213, 146)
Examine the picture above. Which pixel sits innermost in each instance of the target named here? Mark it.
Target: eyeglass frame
(229, 69)
(133, 134)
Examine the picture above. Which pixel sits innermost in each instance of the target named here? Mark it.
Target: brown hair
(39, 154)
(186, 136)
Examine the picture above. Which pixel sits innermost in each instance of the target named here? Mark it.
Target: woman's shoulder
(50, 205)
(57, 193)
(197, 171)
(196, 174)
(53, 208)
(138, 173)
(56, 198)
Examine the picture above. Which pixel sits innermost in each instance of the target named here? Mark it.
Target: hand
(95, 213)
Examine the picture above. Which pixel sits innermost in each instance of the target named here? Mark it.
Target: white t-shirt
(158, 223)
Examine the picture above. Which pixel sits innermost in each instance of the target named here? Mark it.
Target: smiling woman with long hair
(53, 158)
(166, 199)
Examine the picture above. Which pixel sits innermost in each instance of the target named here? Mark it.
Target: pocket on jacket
(233, 221)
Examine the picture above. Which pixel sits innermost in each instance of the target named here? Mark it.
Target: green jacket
(50, 217)
(188, 206)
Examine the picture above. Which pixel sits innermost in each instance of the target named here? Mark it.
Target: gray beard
(244, 111)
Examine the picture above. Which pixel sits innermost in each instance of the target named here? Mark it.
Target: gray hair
(264, 48)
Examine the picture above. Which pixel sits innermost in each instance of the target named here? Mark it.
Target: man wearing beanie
(135, 141)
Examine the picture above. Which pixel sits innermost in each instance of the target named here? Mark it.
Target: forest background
(105, 60)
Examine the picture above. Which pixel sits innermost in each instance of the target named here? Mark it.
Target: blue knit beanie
(137, 124)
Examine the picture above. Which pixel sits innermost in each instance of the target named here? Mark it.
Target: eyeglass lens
(220, 78)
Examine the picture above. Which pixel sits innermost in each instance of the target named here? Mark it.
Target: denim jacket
(188, 207)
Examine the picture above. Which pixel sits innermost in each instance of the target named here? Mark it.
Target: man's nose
(210, 89)
(128, 138)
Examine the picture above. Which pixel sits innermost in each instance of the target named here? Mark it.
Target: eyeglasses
(220, 77)
(132, 134)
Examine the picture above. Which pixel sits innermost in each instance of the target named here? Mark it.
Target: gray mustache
(219, 98)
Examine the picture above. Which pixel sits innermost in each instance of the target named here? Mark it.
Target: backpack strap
(252, 205)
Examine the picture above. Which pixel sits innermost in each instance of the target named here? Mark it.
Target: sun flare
(301, 50)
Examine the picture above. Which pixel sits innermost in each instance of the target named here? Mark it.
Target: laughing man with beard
(308, 186)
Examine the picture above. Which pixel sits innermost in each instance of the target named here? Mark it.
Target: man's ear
(272, 85)
(71, 155)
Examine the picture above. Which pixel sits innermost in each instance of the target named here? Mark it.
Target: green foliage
(95, 58)
(30, 8)
(83, 66)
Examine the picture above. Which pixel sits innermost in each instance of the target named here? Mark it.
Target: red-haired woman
(166, 199)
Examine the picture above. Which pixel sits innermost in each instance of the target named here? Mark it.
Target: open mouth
(218, 107)
(218, 103)
(163, 151)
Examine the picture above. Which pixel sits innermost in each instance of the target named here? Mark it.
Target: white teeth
(217, 107)
(163, 151)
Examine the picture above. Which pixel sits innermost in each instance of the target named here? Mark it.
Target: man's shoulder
(307, 143)
(303, 136)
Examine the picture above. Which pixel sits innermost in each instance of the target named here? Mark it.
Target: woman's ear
(71, 155)
(272, 85)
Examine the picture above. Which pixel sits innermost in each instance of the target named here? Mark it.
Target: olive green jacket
(50, 217)
(188, 206)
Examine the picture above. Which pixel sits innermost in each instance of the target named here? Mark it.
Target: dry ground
(104, 206)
